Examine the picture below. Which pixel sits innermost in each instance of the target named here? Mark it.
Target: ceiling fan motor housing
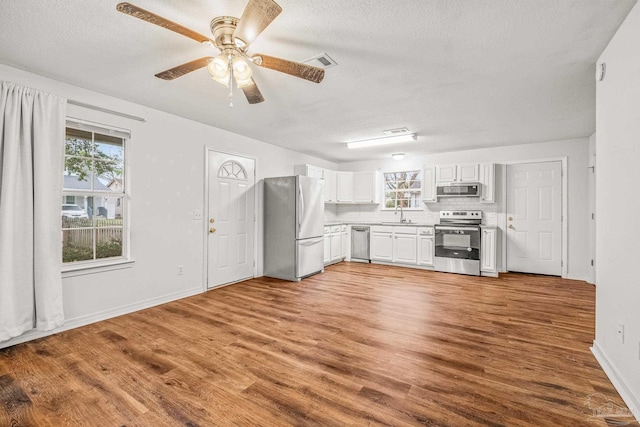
(222, 29)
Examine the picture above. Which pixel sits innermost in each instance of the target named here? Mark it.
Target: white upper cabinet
(309, 170)
(429, 184)
(365, 187)
(458, 173)
(344, 187)
(487, 179)
(330, 186)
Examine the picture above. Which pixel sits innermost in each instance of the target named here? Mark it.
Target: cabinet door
(425, 250)
(446, 173)
(344, 188)
(488, 256)
(335, 246)
(429, 184)
(404, 248)
(329, 188)
(344, 242)
(487, 179)
(327, 249)
(364, 184)
(468, 173)
(381, 246)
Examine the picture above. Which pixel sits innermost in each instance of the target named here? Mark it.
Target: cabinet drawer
(327, 230)
(335, 228)
(382, 229)
(425, 231)
(405, 230)
(344, 228)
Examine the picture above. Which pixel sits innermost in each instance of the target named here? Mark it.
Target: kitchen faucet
(402, 220)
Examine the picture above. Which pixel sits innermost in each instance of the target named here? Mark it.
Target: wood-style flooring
(360, 345)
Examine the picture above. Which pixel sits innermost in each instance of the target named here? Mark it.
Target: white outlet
(180, 271)
(620, 332)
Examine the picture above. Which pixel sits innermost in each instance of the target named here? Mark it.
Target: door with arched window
(231, 222)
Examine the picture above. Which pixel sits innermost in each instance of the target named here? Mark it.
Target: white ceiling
(460, 73)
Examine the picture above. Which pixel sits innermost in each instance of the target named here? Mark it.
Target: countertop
(395, 224)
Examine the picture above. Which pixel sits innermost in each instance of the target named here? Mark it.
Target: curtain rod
(105, 110)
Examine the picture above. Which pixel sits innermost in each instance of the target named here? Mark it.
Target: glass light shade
(224, 82)
(242, 72)
(219, 68)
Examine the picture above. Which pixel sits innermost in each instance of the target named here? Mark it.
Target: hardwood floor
(358, 345)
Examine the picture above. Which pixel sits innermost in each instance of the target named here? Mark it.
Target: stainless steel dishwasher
(360, 243)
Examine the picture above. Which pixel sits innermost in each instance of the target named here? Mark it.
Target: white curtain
(32, 129)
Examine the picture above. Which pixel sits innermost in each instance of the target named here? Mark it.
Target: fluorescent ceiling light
(383, 141)
(398, 156)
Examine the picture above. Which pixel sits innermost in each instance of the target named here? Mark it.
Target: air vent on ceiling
(323, 61)
(397, 131)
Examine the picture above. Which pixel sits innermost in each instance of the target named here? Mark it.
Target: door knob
(211, 220)
(510, 218)
(510, 225)
(212, 230)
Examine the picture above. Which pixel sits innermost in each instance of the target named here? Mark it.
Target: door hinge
(593, 216)
(562, 263)
(591, 263)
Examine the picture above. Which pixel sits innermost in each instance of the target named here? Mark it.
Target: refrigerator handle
(301, 213)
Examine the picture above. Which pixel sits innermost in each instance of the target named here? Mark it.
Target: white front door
(534, 224)
(231, 219)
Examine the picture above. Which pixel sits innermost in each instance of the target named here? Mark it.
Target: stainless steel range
(457, 242)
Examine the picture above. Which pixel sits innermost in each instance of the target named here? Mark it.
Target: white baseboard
(633, 402)
(103, 315)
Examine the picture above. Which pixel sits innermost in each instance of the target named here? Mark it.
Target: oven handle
(438, 227)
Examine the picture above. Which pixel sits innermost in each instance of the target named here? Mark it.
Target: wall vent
(322, 61)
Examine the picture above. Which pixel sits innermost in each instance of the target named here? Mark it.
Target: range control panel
(461, 215)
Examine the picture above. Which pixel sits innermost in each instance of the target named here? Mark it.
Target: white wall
(617, 207)
(575, 150)
(166, 184)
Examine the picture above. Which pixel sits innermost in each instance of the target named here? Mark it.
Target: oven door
(457, 241)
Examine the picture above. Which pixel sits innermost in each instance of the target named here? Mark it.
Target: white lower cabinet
(425, 250)
(405, 250)
(344, 241)
(327, 245)
(406, 245)
(336, 243)
(381, 244)
(488, 252)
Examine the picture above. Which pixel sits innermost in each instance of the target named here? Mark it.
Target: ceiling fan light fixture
(219, 68)
(382, 141)
(241, 70)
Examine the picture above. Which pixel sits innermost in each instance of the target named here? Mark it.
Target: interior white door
(231, 235)
(534, 222)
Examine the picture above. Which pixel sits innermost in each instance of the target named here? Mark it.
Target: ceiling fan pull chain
(230, 81)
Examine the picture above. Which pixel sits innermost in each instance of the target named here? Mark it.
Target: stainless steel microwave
(458, 189)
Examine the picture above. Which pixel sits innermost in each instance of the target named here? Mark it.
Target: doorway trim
(502, 221)
(205, 219)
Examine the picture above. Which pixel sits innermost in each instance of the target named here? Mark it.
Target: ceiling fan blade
(253, 94)
(145, 15)
(183, 69)
(304, 71)
(256, 17)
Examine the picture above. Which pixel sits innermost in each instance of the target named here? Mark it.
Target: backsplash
(430, 214)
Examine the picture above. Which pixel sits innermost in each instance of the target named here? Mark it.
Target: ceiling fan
(232, 37)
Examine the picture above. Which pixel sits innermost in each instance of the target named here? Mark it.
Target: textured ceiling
(460, 73)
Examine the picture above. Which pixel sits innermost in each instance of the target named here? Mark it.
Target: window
(94, 201)
(402, 189)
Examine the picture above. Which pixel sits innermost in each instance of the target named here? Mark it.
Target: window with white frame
(402, 189)
(94, 202)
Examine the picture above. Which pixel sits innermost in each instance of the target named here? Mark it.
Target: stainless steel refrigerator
(293, 227)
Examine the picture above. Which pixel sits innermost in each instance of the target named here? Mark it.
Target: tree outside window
(402, 189)
(93, 200)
